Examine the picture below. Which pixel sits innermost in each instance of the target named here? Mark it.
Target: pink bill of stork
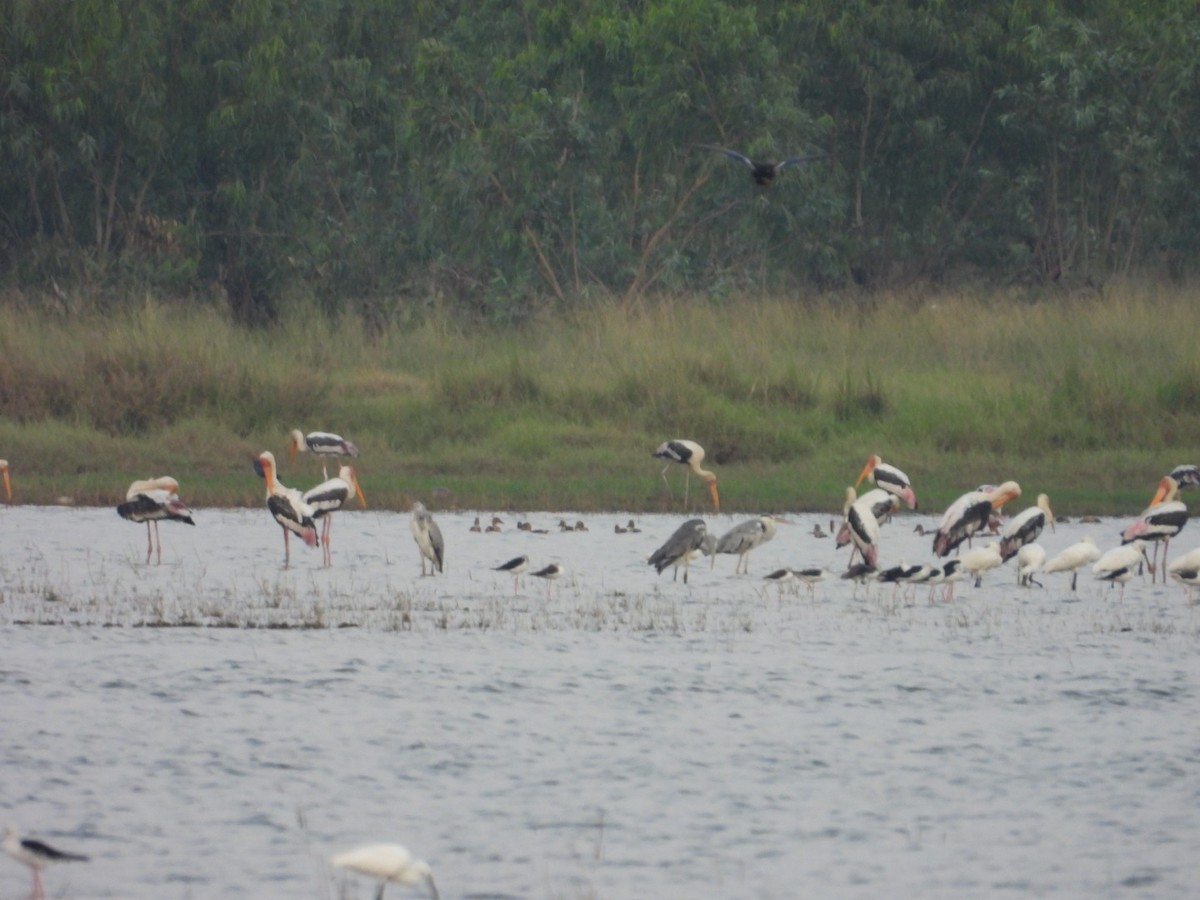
(150, 501)
(690, 454)
(287, 506)
(1159, 522)
(969, 513)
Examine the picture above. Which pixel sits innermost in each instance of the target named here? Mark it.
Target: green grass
(1089, 398)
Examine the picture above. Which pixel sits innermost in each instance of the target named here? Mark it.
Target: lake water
(621, 735)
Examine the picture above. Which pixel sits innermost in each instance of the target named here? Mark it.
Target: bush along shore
(1089, 398)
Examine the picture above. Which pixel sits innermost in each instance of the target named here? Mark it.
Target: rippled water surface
(217, 726)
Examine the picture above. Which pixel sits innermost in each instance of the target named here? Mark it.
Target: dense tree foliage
(385, 154)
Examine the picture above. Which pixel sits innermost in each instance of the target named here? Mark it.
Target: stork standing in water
(36, 855)
(287, 506)
(428, 536)
(744, 538)
(889, 478)
(1024, 527)
(1160, 521)
(763, 173)
(690, 454)
(321, 443)
(327, 498)
(389, 863)
(688, 539)
(151, 500)
(880, 503)
(969, 513)
(863, 528)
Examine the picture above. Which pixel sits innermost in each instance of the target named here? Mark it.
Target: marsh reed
(1090, 397)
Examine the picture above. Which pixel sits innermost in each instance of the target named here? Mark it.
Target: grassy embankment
(1090, 399)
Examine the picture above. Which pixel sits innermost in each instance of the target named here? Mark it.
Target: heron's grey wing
(738, 538)
(438, 544)
(732, 154)
(796, 160)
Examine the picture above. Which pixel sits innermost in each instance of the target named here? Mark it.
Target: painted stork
(690, 454)
(881, 504)
(1118, 565)
(151, 500)
(4, 476)
(287, 506)
(679, 547)
(1024, 527)
(36, 856)
(1186, 476)
(889, 478)
(1074, 558)
(389, 863)
(863, 527)
(969, 513)
(321, 443)
(742, 539)
(428, 536)
(327, 498)
(1030, 559)
(978, 560)
(763, 173)
(1160, 521)
(514, 567)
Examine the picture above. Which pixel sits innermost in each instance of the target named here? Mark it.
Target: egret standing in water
(389, 863)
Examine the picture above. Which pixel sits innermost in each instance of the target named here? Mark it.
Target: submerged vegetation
(1090, 398)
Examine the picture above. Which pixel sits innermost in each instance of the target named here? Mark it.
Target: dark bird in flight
(763, 173)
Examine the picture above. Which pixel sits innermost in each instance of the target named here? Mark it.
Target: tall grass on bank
(1089, 398)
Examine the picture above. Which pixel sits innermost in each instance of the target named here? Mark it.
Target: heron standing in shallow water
(428, 536)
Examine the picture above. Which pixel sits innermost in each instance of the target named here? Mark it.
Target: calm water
(621, 736)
